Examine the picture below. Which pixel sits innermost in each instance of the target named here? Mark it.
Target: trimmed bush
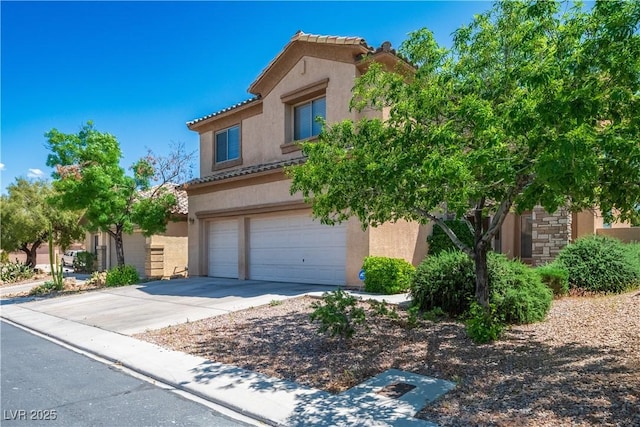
(122, 275)
(633, 253)
(600, 264)
(448, 281)
(439, 241)
(387, 275)
(556, 277)
(517, 291)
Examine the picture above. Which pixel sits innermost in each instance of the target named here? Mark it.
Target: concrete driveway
(132, 309)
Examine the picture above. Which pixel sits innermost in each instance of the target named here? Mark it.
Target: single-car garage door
(294, 248)
(223, 248)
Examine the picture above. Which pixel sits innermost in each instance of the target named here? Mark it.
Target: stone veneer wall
(550, 233)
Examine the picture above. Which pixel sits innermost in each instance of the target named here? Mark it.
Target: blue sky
(140, 70)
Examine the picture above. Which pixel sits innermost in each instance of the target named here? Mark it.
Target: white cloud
(1, 166)
(35, 173)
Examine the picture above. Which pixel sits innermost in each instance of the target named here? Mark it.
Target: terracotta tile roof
(313, 38)
(183, 200)
(182, 207)
(224, 110)
(245, 171)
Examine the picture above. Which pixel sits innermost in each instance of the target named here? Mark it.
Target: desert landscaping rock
(580, 367)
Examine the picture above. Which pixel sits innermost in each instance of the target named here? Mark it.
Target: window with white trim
(227, 144)
(305, 124)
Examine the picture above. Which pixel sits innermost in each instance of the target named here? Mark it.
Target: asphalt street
(45, 384)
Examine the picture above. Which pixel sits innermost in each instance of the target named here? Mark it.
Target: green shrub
(447, 281)
(633, 253)
(517, 290)
(600, 264)
(84, 262)
(122, 275)
(387, 275)
(14, 272)
(439, 241)
(338, 313)
(483, 326)
(556, 277)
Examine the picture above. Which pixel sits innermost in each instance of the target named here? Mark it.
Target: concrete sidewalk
(100, 323)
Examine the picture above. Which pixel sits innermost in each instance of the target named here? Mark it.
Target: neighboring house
(244, 223)
(42, 254)
(158, 256)
(537, 236)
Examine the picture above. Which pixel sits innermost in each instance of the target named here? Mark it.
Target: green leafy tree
(29, 220)
(535, 103)
(88, 176)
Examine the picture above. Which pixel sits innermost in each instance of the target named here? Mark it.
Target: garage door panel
(296, 249)
(223, 249)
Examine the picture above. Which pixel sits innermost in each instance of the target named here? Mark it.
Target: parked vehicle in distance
(69, 257)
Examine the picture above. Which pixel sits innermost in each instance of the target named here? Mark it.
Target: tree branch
(466, 249)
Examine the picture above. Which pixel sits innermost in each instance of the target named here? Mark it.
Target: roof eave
(361, 49)
(195, 124)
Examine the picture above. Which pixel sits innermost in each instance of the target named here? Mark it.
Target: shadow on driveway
(211, 287)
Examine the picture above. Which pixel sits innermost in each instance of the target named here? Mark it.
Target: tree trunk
(31, 253)
(482, 277)
(480, 258)
(117, 236)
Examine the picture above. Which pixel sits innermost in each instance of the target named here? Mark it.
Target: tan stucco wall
(263, 134)
(588, 222)
(507, 236)
(401, 240)
(174, 243)
(134, 251)
(136, 248)
(406, 240)
(627, 234)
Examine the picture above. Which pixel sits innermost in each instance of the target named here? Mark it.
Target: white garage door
(297, 249)
(223, 248)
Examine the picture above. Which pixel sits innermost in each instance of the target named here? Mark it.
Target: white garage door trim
(223, 248)
(294, 248)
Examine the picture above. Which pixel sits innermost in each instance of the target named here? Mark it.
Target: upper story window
(301, 107)
(227, 144)
(305, 124)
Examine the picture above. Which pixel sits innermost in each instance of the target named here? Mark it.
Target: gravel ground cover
(580, 367)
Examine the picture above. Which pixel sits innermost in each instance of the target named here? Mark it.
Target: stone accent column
(550, 233)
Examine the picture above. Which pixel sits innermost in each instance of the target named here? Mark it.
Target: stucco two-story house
(244, 223)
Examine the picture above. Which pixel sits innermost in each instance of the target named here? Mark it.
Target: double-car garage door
(287, 248)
